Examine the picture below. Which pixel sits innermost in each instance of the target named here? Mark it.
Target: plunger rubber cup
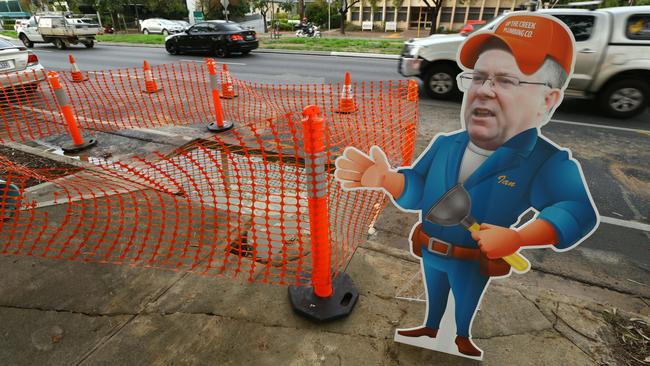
(323, 309)
(72, 148)
(214, 127)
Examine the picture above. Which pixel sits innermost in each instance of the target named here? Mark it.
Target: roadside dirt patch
(47, 168)
(634, 178)
(631, 339)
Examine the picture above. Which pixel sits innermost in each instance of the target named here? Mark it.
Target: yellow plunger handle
(517, 261)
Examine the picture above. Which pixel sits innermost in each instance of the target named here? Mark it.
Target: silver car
(160, 26)
(19, 67)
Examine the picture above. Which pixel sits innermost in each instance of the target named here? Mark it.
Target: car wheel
(89, 44)
(165, 32)
(440, 82)
(60, 44)
(625, 98)
(171, 48)
(26, 41)
(220, 52)
(245, 52)
(145, 31)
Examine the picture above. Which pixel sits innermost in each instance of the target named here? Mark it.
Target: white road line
(599, 126)
(57, 114)
(219, 62)
(625, 223)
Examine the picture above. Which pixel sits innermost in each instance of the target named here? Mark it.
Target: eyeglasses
(468, 80)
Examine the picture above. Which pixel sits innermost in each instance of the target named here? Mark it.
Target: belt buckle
(430, 247)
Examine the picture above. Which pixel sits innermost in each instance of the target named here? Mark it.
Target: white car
(19, 67)
(160, 26)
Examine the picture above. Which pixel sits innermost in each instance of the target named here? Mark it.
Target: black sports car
(216, 37)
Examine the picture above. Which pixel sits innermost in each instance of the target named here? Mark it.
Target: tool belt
(489, 267)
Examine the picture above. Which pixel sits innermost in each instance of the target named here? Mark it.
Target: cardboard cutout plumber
(471, 186)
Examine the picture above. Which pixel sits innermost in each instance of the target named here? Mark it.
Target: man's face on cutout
(494, 115)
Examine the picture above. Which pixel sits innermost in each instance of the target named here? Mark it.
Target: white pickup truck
(59, 30)
(612, 62)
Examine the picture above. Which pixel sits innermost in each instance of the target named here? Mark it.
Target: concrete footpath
(56, 312)
(62, 313)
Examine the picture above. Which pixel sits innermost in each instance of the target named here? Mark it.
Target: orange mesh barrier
(235, 203)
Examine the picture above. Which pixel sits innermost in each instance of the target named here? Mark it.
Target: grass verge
(289, 43)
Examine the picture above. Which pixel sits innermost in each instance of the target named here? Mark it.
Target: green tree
(433, 7)
(398, 5)
(171, 9)
(373, 7)
(317, 11)
(343, 9)
(263, 6)
(286, 6)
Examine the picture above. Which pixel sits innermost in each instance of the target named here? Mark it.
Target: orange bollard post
(77, 75)
(150, 84)
(227, 86)
(328, 298)
(220, 125)
(412, 92)
(346, 101)
(78, 142)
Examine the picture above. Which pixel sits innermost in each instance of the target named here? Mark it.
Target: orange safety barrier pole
(326, 300)
(149, 82)
(220, 125)
(227, 88)
(66, 110)
(346, 101)
(77, 76)
(412, 91)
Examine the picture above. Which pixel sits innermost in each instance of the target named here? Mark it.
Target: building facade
(413, 13)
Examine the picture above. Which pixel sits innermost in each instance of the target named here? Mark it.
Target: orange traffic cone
(346, 101)
(149, 81)
(227, 88)
(77, 76)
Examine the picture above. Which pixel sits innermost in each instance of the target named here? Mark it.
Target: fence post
(220, 125)
(78, 142)
(328, 298)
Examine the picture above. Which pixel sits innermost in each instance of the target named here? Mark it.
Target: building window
(488, 13)
(445, 16)
(638, 27)
(366, 13)
(459, 17)
(376, 17)
(503, 10)
(390, 14)
(355, 14)
(474, 13)
(401, 15)
(580, 25)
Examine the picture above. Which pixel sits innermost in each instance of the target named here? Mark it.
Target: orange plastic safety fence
(235, 203)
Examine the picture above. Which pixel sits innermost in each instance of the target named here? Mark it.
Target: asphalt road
(615, 155)
(292, 68)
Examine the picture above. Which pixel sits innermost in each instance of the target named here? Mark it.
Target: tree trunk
(266, 30)
(433, 13)
(301, 8)
(343, 22)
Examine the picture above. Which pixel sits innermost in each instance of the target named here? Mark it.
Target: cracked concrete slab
(34, 337)
(202, 339)
(78, 287)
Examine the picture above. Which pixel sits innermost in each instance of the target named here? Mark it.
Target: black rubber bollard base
(339, 305)
(226, 126)
(74, 148)
(233, 97)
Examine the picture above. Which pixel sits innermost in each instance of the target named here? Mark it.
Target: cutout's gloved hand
(357, 170)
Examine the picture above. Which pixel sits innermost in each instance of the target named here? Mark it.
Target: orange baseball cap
(530, 38)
